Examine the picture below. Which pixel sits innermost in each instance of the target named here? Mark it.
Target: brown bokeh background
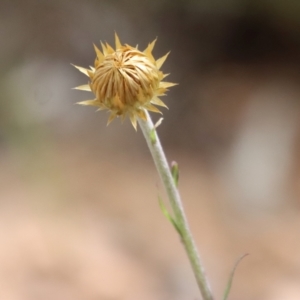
(79, 213)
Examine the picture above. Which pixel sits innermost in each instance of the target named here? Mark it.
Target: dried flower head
(125, 81)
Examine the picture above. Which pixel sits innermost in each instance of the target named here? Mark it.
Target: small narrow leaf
(158, 123)
(168, 215)
(229, 284)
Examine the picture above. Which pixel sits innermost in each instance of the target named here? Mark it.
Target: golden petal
(104, 50)
(150, 47)
(82, 70)
(160, 91)
(142, 77)
(84, 87)
(117, 42)
(141, 113)
(133, 121)
(110, 50)
(161, 60)
(129, 47)
(90, 74)
(148, 51)
(117, 102)
(93, 102)
(99, 54)
(157, 101)
(111, 118)
(151, 58)
(153, 108)
(166, 84)
(101, 108)
(160, 75)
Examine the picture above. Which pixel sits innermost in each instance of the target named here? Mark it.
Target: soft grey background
(79, 215)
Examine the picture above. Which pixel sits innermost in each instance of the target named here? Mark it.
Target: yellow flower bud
(125, 81)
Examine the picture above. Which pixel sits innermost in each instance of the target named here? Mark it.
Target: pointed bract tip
(117, 42)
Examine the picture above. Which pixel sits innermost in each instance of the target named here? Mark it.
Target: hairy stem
(163, 169)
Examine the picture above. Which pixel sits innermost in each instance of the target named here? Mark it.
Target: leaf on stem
(229, 284)
(168, 215)
(153, 131)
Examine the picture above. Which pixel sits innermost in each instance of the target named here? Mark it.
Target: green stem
(163, 169)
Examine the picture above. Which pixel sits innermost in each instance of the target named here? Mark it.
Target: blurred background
(79, 213)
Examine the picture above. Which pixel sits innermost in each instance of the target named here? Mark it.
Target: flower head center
(125, 79)
(117, 59)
